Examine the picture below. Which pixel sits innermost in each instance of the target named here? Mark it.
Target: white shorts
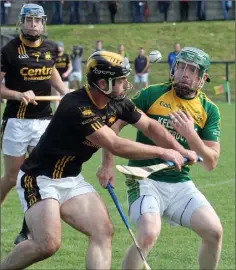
(34, 189)
(175, 201)
(141, 79)
(19, 134)
(75, 76)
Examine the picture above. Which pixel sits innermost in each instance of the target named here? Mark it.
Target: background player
(64, 67)
(28, 66)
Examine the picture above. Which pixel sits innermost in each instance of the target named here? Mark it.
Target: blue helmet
(35, 11)
(32, 9)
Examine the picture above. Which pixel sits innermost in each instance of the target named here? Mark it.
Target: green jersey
(157, 101)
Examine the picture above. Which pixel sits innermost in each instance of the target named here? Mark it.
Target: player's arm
(160, 135)
(69, 68)
(125, 148)
(208, 150)
(57, 83)
(6, 93)
(107, 157)
(206, 146)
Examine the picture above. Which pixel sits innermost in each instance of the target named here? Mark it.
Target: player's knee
(214, 234)
(11, 177)
(104, 232)
(49, 247)
(147, 239)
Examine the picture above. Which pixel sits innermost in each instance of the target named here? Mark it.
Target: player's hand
(182, 122)
(27, 97)
(105, 175)
(64, 75)
(191, 156)
(174, 156)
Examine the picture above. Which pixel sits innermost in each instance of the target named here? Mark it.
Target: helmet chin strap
(30, 37)
(108, 93)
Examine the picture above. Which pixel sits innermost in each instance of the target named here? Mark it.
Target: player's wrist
(18, 96)
(191, 134)
(160, 152)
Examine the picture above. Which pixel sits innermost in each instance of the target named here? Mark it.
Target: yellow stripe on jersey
(60, 166)
(21, 111)
(57, 166)
(96, 126)
(24, 51)
(169, 102)
(70, 158)
(21, 50)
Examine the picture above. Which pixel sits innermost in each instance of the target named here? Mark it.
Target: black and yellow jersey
(28, 68)
(63, 148)
(62, 63)
(157, 101)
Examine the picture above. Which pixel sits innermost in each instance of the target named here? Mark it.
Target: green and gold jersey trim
(169, 102)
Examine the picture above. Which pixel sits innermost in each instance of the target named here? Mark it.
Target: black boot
(23, 235)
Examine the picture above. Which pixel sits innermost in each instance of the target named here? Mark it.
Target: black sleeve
(128, 112)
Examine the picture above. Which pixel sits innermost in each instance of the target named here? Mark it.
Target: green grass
(176, 247)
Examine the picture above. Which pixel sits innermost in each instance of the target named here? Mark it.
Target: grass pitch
(176, 247)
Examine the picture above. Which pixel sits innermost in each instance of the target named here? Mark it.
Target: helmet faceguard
(190, 71)
(33, 12)
(108, 66)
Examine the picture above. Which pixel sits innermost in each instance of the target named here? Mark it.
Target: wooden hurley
(48, 98)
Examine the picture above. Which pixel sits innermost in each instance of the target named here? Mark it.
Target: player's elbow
(211, 164)
(117, 147)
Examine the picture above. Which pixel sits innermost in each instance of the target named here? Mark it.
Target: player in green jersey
(194, 121)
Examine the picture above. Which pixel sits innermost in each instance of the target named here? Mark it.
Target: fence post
(227, 94)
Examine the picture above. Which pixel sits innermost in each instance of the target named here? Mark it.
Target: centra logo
(164, 104)
(25, 71)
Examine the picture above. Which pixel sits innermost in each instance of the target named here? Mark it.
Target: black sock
(24, 229)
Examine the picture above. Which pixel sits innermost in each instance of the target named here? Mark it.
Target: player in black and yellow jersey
(50, 184)
(64, 67)
(28, 67)
(63, 63)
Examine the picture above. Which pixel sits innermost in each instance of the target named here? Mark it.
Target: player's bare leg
(11, 169)
(55, 93)
(87, 214)
(145, 84)
(24, 233)
(136, 87)
(148, 230)
(206, 224)
(46, 239)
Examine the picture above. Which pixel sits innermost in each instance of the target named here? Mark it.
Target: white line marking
(218, 184)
